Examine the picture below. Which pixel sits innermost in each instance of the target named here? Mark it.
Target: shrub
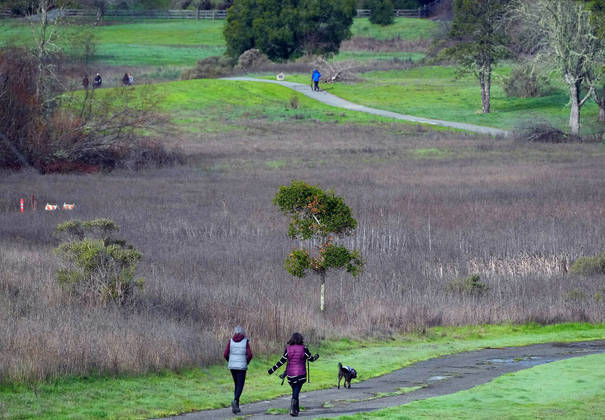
(210, 67)
(526, 82)
(543, 132)
(382, 12)
(468, 286)
(294, 102)
(589, 266)
(252, 58)
(98, 270)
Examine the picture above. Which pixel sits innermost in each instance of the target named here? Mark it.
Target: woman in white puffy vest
(238, 354)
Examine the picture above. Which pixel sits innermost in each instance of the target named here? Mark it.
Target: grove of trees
(564, 35)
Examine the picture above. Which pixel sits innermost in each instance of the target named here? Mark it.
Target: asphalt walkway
(333, 100)
(434, 377)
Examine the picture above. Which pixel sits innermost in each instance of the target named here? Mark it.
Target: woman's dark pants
(239, 377)
(296, 389)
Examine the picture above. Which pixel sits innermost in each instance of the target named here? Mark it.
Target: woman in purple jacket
(296, 354)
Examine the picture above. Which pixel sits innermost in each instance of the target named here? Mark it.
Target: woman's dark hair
(296, 339)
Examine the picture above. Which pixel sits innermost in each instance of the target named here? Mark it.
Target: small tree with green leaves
(94, 265)
(381, 12)
(319, 217)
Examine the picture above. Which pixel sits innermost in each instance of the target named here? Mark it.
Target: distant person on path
(315, 77)
(130, 79)
(296, 354)
(85, 82)
(97, 81)
(125, 79)
(238, 354)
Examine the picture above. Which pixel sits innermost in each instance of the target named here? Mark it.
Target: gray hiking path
(333, 100)
(435, 377)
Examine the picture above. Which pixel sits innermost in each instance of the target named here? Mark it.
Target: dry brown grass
(214, 245)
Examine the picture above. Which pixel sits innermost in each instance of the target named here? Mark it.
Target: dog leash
(308, 372)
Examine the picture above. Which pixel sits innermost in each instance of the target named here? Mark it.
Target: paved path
(333, 100)
(439, 376)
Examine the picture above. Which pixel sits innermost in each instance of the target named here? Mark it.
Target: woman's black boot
(294, 407)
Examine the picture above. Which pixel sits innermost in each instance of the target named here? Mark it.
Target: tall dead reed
(214, 247)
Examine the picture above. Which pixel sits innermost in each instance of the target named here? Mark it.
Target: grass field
(184, 42)
(170, 393)
(570, 389)
(437, 92)
(215, 105)
(402, 28)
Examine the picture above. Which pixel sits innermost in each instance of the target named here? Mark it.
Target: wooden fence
(148, 14)
(420, 12)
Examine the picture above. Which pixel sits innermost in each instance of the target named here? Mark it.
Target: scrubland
(432, 207)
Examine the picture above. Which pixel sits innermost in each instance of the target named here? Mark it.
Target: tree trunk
(485, 79)
(574, 113)
(100, 13)
(601, 103)
(322, 291)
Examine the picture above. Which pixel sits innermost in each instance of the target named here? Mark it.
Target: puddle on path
(438, 378)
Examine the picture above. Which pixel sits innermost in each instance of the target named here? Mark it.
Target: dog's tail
(339, 366)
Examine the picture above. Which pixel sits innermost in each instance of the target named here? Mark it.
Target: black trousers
(296, 387)
(239, 377)
(315, 85)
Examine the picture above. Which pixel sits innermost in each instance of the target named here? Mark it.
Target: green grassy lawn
(364, 56)
(149, 43)
(569, 389)
(164, 32)
(436, 92)
(168, 393)
(211, 105)
(183, 42)
(402, 28)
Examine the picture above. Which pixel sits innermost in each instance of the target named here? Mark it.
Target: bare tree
(567, 36)
(101, 6)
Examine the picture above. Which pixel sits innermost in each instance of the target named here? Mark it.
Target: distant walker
(315, 77)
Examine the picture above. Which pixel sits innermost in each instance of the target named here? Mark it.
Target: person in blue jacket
(315, 77)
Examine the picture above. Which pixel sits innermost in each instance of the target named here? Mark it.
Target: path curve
(333, 100)
(438, 376)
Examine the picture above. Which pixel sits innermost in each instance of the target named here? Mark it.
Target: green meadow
(402, 28)
(169, 393)
(568, 389)
(439, 92)
(183, 42)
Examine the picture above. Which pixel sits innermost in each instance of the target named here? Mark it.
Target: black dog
(346, 372)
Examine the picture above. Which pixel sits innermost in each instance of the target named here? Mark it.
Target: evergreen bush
(382, 12)
(93, 265)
